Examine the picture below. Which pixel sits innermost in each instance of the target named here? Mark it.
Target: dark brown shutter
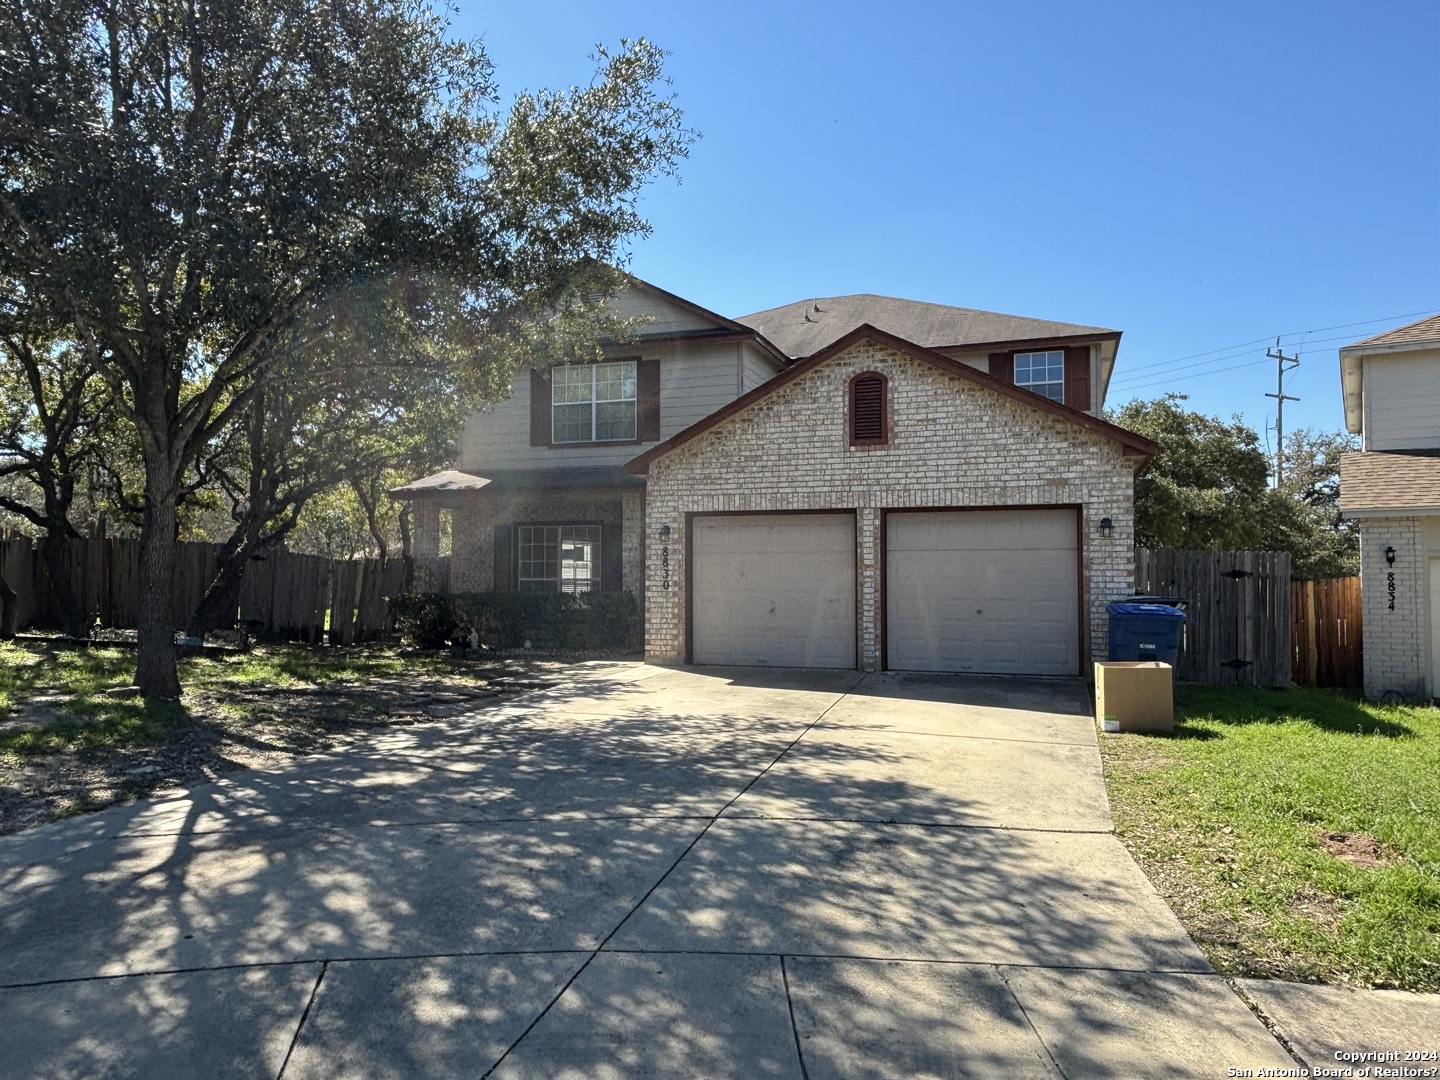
(611, 547)
(539, 409)
(1002, 366)
(867, 409)
(1077, 377)
(647, 421)
(504, 558)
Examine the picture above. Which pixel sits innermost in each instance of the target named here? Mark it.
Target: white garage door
(776, 589)
(984, 591)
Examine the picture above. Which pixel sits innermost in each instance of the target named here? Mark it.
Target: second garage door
(984, 591)
(775, 589)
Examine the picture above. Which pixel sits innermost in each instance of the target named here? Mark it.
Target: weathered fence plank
(1238, 630)
(283, 594)
(1326, 632)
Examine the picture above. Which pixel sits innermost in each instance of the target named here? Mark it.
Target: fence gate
(1325, 632)
(1238, 630)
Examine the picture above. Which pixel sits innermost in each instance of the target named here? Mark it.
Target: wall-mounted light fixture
(1107, 528)
(664, 532)
(1390, 555)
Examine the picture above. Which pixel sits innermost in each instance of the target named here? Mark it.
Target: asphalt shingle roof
(805, 327)
(1427, 329)
(1390, 480)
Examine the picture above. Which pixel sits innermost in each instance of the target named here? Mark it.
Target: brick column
(868, 523)
(425, 542)
(632, 532)
(472, 547)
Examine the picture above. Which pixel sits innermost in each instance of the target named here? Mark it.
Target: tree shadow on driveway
(543, 827)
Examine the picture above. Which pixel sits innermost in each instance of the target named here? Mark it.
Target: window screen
(593, 402)
(1042, 372)
(558, 558)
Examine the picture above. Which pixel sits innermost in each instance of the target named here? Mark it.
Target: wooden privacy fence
(1238, 630)
(286, 595)
(1325, 632)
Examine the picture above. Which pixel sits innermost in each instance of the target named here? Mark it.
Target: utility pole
(1280, 398)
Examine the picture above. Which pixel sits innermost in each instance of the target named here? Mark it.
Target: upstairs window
(594, 402)
(1042, 372)
(867, 410)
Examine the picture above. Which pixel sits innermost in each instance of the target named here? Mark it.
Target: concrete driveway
(641, 872)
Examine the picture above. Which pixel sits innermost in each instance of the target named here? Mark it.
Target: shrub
(507, 620)
(425, 619)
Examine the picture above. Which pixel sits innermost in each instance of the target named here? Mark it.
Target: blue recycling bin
(1141, 630)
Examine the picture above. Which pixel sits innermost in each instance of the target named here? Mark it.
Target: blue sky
(1198, 176)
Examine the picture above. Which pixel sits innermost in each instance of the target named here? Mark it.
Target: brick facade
(1397, 639)
(952, 443)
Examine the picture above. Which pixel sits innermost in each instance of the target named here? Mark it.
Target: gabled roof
(807, 326)
(1133, 443)
(1389, 482)
(1418, 336)
(1425, 331)
(725, 329)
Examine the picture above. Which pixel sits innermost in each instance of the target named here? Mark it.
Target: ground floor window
(558, 558)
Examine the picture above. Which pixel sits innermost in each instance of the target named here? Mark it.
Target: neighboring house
(848, 482)
(1391, 384)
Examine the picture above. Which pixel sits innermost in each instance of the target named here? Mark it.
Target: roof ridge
(1131, 440)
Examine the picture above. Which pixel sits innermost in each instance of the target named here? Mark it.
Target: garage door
(775, 589)
(984, 591)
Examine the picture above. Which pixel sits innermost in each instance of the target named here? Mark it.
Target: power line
(1293, 333)
(1156, 377)
(1183, 378)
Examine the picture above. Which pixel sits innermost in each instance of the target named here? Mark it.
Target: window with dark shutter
(867, 409)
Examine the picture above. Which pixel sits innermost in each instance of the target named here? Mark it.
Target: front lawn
(1296, 833)
(66, 745)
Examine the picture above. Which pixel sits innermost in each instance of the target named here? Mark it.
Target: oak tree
(182, 180)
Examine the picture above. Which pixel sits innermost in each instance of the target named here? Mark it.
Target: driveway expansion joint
(794, 1027)
(1049, 1054)
(309, 1004)
(1264, 1018)
(661, 879)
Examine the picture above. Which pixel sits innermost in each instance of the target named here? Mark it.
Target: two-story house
(853, 481)
(1391, 384)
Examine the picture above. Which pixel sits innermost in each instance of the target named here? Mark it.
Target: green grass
(91, 721)
(1226, 816)
(94, 721)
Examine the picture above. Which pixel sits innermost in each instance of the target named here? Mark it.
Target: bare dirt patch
(1358, 849)
(1321, 909)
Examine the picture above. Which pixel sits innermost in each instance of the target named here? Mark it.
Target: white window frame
(595, 371)
(1040, 386)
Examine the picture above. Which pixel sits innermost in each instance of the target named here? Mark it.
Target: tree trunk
(56, 548)
(9, 611)
(155, 670)
(218, 607)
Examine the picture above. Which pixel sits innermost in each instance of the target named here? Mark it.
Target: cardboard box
(1136, 695)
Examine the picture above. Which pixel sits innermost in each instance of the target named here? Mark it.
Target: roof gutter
(1389, 511)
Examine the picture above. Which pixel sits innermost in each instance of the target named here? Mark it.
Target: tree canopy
(186, 189)
(1208, 488)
